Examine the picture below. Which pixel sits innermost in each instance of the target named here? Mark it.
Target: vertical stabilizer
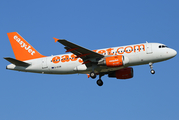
(21, 48)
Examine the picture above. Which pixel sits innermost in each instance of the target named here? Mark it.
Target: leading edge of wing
(78, 50)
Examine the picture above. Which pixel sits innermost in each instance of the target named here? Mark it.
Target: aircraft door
(44, 63)
(149, 48)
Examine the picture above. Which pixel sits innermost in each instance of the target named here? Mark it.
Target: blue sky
(92, 24)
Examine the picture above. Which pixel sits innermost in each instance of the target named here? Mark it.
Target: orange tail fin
(22, 49)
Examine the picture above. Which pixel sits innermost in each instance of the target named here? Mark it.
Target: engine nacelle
(124, 73)
(114, 61)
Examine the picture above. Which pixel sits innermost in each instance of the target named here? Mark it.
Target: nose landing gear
(151, 67)
(152, 71)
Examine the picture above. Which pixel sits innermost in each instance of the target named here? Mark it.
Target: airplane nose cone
(173, 53)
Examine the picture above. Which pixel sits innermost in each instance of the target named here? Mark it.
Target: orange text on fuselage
(109, 51)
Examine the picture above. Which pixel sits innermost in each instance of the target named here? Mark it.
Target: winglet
(56, 39)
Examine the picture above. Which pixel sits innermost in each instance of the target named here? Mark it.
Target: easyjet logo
(122, 50)
(23, 45)
(66, 58)
(109, 51)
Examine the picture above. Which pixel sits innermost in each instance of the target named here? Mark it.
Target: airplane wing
(79, 51)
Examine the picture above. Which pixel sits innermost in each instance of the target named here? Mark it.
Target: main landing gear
(93, 75)
(151, 67)
(99, 81)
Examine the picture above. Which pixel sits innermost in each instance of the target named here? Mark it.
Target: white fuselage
(137, 54)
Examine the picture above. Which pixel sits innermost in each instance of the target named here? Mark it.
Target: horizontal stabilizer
(17, 62)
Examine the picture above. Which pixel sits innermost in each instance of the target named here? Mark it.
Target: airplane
(116, 62)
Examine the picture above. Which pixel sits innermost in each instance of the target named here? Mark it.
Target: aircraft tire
(99, 82)
(93, 75)
(152, 71)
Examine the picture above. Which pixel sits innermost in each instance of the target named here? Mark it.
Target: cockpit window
(163, 46)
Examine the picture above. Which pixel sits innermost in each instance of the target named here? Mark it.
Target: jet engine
(114, 61)
(124, 73)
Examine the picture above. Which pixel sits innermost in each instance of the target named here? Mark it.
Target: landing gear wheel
(151, 67)
(93, 75)
(99, 82)
(152, 71)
